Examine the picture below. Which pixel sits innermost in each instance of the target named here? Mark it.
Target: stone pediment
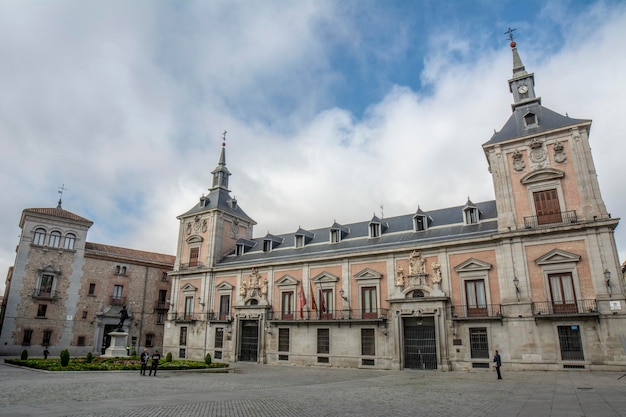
(557, 256)
(224, 286)
(195, 239)
(472, 264)
(368, 273)
(325, 277)
(539, 175)
(189, 288)
(287, 280)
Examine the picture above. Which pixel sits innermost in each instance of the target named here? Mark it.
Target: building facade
(534, 273)
(66, 293)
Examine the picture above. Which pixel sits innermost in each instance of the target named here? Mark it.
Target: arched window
(55, 239)
(70, 239)
(40, 237)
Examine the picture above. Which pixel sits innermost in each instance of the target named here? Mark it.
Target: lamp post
(516, 283)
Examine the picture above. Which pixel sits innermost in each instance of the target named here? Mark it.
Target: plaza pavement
(260, 390)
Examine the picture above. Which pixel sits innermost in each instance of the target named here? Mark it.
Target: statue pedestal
(118, 345)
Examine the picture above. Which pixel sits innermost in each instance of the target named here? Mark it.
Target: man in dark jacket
(497, 363)
(144, 362)
(155, 362)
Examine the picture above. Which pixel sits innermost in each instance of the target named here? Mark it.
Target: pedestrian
(155, 362)
(497, 363)
(46, 352)
(144, 362)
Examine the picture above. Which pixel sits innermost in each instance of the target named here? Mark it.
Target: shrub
(65, 357)
(168, 357)
(24, 355)
(207, 359)
(89, 357)
(133, 353)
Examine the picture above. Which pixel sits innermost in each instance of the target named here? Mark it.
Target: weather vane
(61, 189)
(224, 138)
(510, 33)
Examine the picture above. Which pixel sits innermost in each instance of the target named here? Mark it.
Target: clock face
(523, 89)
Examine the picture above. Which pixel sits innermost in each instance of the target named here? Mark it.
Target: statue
(264, 288)
(244, 289)
(399, 282)
(417, 265)
(436, 267)
(123, 317)
(254, 278)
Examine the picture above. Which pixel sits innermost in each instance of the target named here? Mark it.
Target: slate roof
(218, 198)
(126, 253)
(447, 225)
(546, 120)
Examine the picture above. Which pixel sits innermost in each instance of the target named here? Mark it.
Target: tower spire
(522, 84)
(221, 173)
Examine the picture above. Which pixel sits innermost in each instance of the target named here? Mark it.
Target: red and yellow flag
(313, 304)
(302, 302)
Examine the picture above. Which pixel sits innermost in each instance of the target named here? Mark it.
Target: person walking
(46, 352)
(497, 363)
(144, 362)
(155, 362)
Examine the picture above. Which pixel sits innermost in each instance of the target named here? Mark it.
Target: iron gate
(249, 341)
(571, 343)
(420, 346)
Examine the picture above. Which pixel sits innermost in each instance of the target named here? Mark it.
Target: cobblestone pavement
(262, 390)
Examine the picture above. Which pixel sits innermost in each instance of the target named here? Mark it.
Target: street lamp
(516, 283)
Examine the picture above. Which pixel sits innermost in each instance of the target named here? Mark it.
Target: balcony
(187, 317)
(162, 305)
(330, 315)
(487, 311)
(191, 265)
(41, 294)
(550, 220)
(117, 301)
(221, 316)
(550, 309)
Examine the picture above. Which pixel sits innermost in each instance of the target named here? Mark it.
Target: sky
(333, 108)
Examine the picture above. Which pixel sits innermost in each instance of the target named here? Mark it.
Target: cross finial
(60, 191)
(510, 33)
(224, 138)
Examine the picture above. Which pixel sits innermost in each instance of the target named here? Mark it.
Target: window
(80, 341)
(55, 239)
(547, 207)
(375, 229)
(219, 338)
(85, 314)
(479, 348)
(224, 307)
(571, 343)
(183, 336)
(530, 119)
(286, 306)
(368, 347)
(40, 237)
(326, 303)
(471, 215)
(117, 294)
(45, 285)
(47, 335)
(369, 302)
(28, 335)
(160, 317)
(120, 270)
(70, 240)
(188, 307)
(41, 310)
(194, 254)
(123, 270)
(92, 289)
(562, 293)
(239, 249)
(299, 241)
(149, 339)
(164, 276)
(162, 301)
(267, 246)
(335, 236)
(475, 295)
(323, 341)
(283, 340)
(182, 353)
(420, 223)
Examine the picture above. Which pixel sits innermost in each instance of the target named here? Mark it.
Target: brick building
(64, 292)
(533, 273)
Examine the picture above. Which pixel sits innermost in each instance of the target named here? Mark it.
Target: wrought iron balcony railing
(550, 220)
(360, 314)
(162, 305)
(187, 317)
(565, 308)
(478, 311)
(42, 294)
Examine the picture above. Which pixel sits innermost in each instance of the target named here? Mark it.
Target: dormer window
(267, 246)
(299, 241)
(239, 250)
(420, 223)
(242, 245)
(530, 119)
(374, 229)
(335, 236)
(471, 215)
